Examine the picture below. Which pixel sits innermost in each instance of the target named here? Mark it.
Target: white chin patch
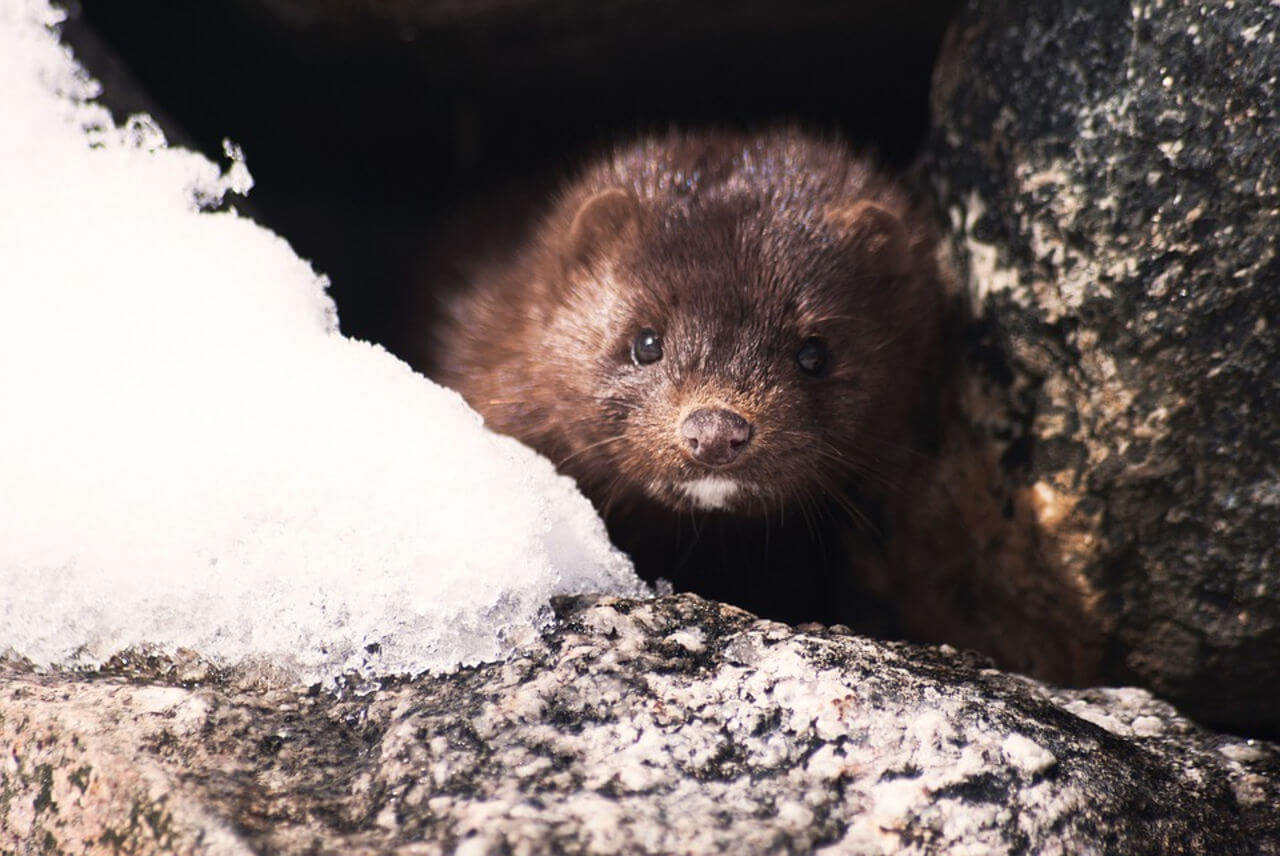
(712, 492)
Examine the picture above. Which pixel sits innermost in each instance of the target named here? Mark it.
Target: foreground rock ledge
(673, 725)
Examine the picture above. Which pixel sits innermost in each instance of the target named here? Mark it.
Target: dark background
(387, 138)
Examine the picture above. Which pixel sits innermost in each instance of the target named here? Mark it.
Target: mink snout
(716, 437)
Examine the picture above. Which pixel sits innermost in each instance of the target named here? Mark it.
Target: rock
(674, 725)
(1111, 174)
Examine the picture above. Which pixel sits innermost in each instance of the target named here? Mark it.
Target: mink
(729, 341)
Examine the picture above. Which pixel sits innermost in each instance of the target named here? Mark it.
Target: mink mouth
(713, 492)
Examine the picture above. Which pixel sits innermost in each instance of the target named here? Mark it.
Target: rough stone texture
(675, 725)
(1111, 172)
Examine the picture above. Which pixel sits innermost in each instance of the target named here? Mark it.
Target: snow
(193, 456)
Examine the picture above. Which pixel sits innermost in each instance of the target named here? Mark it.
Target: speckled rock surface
(675, 725)
(1111, 173)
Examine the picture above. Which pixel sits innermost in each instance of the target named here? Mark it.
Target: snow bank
(191, 454)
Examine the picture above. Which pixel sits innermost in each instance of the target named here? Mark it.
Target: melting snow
(192, 455)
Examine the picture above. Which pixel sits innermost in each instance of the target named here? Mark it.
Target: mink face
(730, 325)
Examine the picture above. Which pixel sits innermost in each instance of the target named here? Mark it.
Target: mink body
(729, 342)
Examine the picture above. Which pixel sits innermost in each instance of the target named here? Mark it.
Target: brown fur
(736, 249)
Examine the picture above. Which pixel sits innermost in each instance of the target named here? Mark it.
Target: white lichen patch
(988, 275)
(1027, 755)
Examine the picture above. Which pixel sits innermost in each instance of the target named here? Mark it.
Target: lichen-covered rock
(674, 725)
(1111, 173)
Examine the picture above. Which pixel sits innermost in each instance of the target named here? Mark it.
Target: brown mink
(726, 339)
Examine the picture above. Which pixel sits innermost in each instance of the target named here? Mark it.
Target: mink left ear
(874, 231)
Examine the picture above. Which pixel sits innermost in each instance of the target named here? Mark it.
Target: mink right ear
(874, 230)
(606, 220)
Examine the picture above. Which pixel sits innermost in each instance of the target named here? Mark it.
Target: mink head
(732, 324)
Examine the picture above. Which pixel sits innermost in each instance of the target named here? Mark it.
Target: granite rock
(1111, 176)
(673, 725)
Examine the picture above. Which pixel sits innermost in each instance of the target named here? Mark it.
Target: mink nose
(715, 437)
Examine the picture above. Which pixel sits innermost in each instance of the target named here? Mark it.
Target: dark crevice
(369, 127)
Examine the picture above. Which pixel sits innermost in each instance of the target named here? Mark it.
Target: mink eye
(646, 347)
(812, 355)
